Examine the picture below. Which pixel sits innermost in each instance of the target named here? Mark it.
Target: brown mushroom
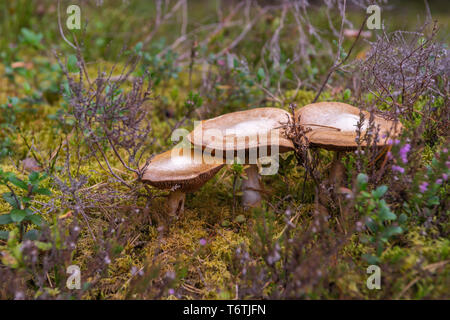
(180, 170)
(246, 136)
(333, 127)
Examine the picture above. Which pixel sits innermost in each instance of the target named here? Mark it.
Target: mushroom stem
(251, 196)
(176, 203)
(337, 170)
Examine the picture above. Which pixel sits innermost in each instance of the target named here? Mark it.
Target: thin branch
(336, 66)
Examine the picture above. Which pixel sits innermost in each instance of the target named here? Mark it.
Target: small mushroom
(333, 127)
(248, 136)
(180, 170)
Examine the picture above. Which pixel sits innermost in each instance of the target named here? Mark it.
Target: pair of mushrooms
(244, 135)
(248, 136)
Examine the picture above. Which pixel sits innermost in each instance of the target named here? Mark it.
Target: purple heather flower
(274, 257)
(423, 187)
(19, 296)
(445, 176)
(439, 181)
(398, 169)
(391, 142)
(221, 62)
(445, 150)
(202, 242)
(171, 291)
(389, 155)
(359, 226)
(404, 152)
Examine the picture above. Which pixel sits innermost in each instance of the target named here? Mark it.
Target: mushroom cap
(243, 130)
(333, 125)
(181, 167)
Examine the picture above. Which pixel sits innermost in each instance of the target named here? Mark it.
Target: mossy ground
(418, 261)
(415, 265)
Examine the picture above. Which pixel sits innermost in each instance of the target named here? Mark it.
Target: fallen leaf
(22, 64)
(66, 215)
(353, 33)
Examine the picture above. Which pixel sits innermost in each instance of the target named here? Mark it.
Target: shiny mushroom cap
(334, 125)
(181, 168)
(243, 130)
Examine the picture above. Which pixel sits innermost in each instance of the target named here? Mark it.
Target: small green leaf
(235, 63)
(365, 194)
(362, 180)
(43, 245)
(118, 249)
(392, 231)
(4, 235)
(86, 286)
(18, 215)
(8, 197)
(261, 74)
(32, 235)
(31, 38)
(347, 94)
(386, 213)
(17, 182)
(43, 191)
(5, 219)
(380, 191)
(433, 201)
(72, 64)
(371, 259)
(25, 199)
(403, 218)
(34, 176)
(138, 47)
(26, 87)
(36, 219)
(372, 225)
